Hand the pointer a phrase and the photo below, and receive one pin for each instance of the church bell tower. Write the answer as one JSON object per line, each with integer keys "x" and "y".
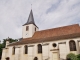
{"x": 29, "y": 28}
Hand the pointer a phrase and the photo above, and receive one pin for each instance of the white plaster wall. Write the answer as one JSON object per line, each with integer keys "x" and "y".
{"x": 30, "y": 32}
{"x": 30, "y": 52}
{"x": 23, "y": 56}
{"x": 47, "y": 48}
{"x": 7, "y": 43}
{"x": 62, "y": 51}
{"x": 7, "y": 51}
{"x": 17, "y": 55}
{"x": 79, "y": 46}
{"x": 10, "y": 53}
{"x": 3, "y": 54}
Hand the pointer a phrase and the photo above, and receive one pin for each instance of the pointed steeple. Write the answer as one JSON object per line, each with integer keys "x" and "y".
{"x": 29, "y": 28}
{"x": 30, "y": 19}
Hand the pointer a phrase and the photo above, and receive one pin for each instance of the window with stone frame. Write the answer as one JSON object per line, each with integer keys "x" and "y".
{"x": 39, "y": 48}
{"x": 26, "y": 49}
{"x": 72, "y": 45}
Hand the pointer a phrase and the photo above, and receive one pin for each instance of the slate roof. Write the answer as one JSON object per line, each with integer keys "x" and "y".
{"x": 30, "y": 19}
{"x": 66, "y": 32}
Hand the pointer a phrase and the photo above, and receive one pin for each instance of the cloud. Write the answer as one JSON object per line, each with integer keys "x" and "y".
{"x": 47, "y": 14}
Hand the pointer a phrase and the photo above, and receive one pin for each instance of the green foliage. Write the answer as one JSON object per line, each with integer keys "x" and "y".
{"x": 4, "y": 43}
{"x": 78, "y": 57}
{"x": 10, "y": 40}
{"x": 0, "y": 49}
{"x": 72, "y": 56}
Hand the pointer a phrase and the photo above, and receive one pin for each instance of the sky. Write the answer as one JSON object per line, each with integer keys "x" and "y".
{"x": 47, "y": 14}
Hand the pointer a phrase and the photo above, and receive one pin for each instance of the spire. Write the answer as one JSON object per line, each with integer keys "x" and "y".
{"x": 30, "y": 19}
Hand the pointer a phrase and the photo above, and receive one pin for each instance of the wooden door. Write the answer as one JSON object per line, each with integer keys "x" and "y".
{"x": 7, "y": 58}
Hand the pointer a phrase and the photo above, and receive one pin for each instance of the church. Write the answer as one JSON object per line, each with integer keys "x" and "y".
{"x": 49, "y": 44}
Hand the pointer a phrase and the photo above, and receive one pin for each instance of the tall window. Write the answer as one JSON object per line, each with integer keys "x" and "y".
{"x": 72, "y": 45}
{"x": 39, "y": 48}
{"x": 13, "y": 52}
{"x": 27, "y": 28}
{"x": 26, "y": 49}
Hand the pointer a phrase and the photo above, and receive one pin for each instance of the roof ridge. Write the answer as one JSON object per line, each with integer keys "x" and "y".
{"x": 59, "y": 27}
{"x": 46, "y": 39}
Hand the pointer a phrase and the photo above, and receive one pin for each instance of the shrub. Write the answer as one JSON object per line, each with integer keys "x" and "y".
{"x": 71, "y": 56}
{"x": 78, "y": 57}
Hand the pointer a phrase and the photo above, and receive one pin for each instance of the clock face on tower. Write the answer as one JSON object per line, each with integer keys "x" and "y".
{"x": 26, "y": 34}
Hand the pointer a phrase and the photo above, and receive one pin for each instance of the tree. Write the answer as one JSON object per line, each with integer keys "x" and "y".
{"x": 10, "y": 39}
{"x": 71, "y": 56}
{"x": 0, "y": 50}
{"x": 4, "y": 44}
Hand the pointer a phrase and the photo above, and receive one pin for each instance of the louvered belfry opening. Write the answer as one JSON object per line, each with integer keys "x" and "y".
{"x": 26, "y": 49}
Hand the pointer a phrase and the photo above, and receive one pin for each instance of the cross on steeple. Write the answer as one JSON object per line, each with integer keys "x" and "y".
{"x": 31, "y": 6}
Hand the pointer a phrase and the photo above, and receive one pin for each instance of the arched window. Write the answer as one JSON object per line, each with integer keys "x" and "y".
{"x": 25, "y": 49}
{"x": 39, "y": 48}
{"x": 72, "y": 45}
{"x": 13, "y": 52}
{"x": 35, "y": 58}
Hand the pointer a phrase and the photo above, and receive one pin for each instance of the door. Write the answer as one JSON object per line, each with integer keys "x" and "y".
{"x": 7, "y": 58}
{"x": 55, "y": 56}
{"x": 35, "y": 58}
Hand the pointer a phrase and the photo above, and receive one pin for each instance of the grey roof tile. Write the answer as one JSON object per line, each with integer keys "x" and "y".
{"x": 30, "y": 19}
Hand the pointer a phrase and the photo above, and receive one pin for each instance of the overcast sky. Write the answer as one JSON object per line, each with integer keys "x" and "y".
{"x": 47, "y": 14}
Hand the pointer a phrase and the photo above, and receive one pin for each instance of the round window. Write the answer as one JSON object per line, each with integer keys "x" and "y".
{"x": 54, "y": 44}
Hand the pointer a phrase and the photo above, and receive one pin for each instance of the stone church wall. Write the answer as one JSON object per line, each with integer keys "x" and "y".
{"x": 62, "y": 49}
